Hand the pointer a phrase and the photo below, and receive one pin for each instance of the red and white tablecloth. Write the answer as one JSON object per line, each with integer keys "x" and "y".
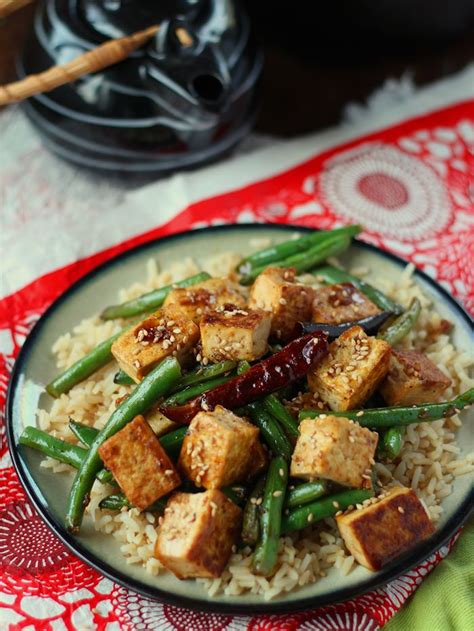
{"x": 407, "y": 173}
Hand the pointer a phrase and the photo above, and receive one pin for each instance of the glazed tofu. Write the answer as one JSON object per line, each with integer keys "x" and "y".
{"x": 234, "y": 333}
{"x": 381, "y": 531}
{"x": 160, "y": 335}
{"x": 274, "y": 290}
{"x": 139, "y": 464}
{"x": 413, "y": 378}
{"x": 352, "y": 370}
{"x": 336, "y": 449}
{"x": 196, "y": 536}
{"x": 339, "y": 303}
{"x": 198, "y": 299}
{"x": 218, "y": 448}
{"x": 258, "y": 461}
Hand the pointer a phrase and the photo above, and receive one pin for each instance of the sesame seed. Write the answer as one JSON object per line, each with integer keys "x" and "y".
{"x": 401, "y": 510}
{"x": 360, "y": 413}
{"x": 277, "y": 493}
{"x": 310, "y": 517}
{"x": 282, "y": 301}
{"x": 281, "y": 472}
{"x": 335, "y": 504}
{"x": 169, "y": 472}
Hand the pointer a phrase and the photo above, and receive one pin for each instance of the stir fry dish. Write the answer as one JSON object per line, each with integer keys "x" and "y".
{"x": 254, "y": 419}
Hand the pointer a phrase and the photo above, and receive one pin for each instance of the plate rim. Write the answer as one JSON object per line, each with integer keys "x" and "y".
{"x": 392, "y": 571}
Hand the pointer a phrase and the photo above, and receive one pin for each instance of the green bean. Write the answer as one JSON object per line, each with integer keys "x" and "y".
{"x": 391, "y": 443}
{"x": 305, "y": 493}
{"x": 266, "y": 550}
{"x": 172, "y": 441}
{"x": 251, "y": 517}
{"x": 399, "y": 416}
{"x": 83, "y": 368}
{"x": 117, "y": 501}
{"x": 205, "y": 373}
{"x": 149, "y": 301}
{"x": 85, "y": 434}
{"x": 193, "y": 391}
{"x": 156, "y": 384}
{"x": 402, "y": 325}
{"x": 333, "y": 275}
{"x": 293, "y": 246}
{"x": 270, "y": 430}
{"x": 60, "y": 450}
{"x": 299, "y": 518}
{"x": 307, "y": 260}
{"x": 276, "y": 408}
{"x": 122, "y": 379}
{"x": 237, "y": 493}
{"x": 243, "y": 366}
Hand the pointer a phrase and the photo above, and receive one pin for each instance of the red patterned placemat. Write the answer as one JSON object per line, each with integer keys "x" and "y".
{"x": 413, "y": 184}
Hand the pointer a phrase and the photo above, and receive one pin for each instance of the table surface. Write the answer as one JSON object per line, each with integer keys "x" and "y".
{"x": 341, "y": 75}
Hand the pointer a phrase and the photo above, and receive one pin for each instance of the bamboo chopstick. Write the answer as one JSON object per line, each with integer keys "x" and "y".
{"x": 10, "y": 6}
{"x": 103, "y": 56}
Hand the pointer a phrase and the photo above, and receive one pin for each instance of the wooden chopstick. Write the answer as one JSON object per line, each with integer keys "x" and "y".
{"x": 101, "y": 57}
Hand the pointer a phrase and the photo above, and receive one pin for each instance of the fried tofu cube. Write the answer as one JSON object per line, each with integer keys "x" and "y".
{"x": 217, "y": 449}
{"x": 197, "y": 533}
{"x": 233, "y": 333}
{"x": 412, "y": 379}
{"x": 139, "y": 464}
{"x": 352, "y": 370}
{"x": 336, "y": 449}
{"x": 160, "y": 335}
{"x": 274, "y": 290}
{"x": 383, "y": 530}
{"x": 198, "y": 299}
{"x": 339, "y": 303}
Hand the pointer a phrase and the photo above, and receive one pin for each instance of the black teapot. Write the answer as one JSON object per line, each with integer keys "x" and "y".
{"x": 185, "y": 98}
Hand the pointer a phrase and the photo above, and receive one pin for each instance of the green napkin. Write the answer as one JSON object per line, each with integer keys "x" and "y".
{"x": 445, "y": 599}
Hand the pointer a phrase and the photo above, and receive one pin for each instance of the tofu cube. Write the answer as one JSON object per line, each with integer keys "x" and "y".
{"x": 336, "y": 449}
{"x": 274, "y": 290}
{"x": 233, "y": 333}
{"x": 412, "y": 379}
{"x": 197, "y": 533}
{"x": 383, "y": 530}
{"x": 339, "y": 303}
{"x": 139, "y": 464}
{"x": 160, "y": 335}
{"x": 198, "y": 299}
{"x": 218, "y": 448}
{"x": 352, "y": 370}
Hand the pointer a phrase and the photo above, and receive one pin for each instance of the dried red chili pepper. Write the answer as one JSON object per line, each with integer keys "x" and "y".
{"x": 271, "y": 374}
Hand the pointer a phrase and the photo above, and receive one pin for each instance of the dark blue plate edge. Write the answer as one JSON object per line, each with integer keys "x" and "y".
{"x": 391, "y": 572}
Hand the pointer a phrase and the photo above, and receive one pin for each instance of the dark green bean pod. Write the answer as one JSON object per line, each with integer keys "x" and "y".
{"x": 193, "y": 391}
{"x": 251, "y": 517}
{"x": 60, "y": 450}
{"x": 122, "y": 379}
{"x": 156, "y": 384}
{"x": 270, "y": 430}
{"x": 276, "y": 408}
{"x": 98, "y": 357}
{"x": 290, "y": 247}
{"x": 205, "y": 373}
{"x": 85, "y": 434}
{"x": 266, "y": 550}
{"x": 236, "y": 492}
{"x": 332, "y": 275}
{"x": 401, "y": 415}
{"x": 401, "y": 326}
{"x": 304, "y": 516}
{"x": 390, "y": 444}
{"x": 117, "y": 501}
{"x": 307, "y": 260}
{"x": 305, "y": 493}
{"x": 149, "y": 301}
